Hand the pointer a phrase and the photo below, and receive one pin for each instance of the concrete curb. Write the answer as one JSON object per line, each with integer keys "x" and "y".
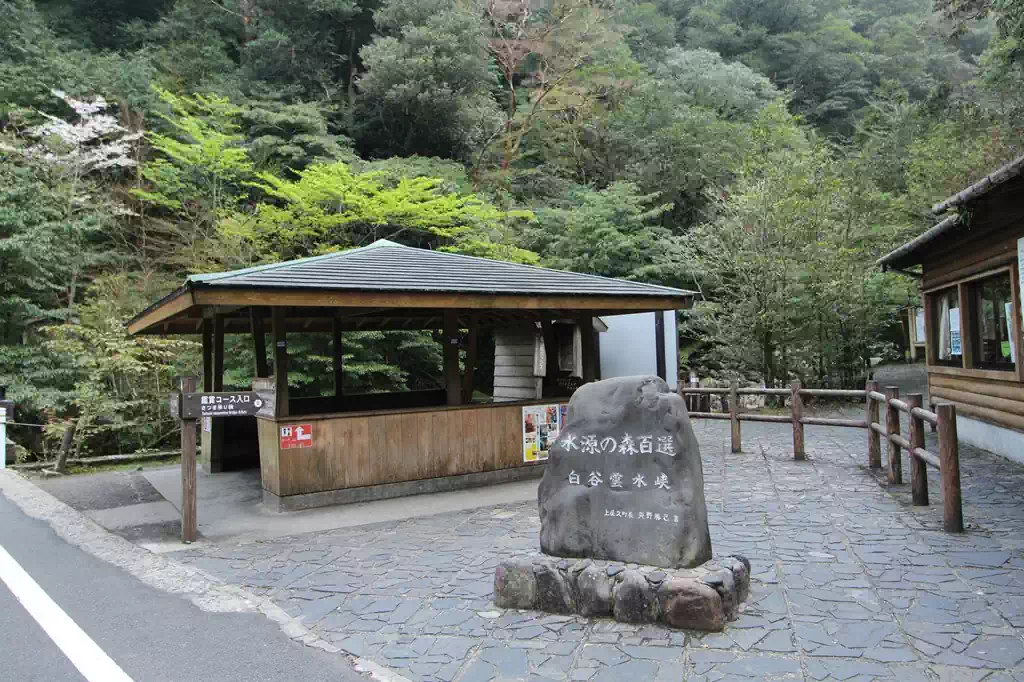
{"x": 162, "y": 573}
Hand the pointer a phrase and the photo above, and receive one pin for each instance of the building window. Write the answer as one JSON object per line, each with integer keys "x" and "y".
{"x": 992, "y": 323}
{"x": 948, "y": 333}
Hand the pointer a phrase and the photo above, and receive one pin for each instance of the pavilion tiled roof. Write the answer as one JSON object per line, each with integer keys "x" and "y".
{"x": 387, "y": 266}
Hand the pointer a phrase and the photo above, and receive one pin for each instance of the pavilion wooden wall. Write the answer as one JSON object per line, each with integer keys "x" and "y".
{"x": 375, "y": 449}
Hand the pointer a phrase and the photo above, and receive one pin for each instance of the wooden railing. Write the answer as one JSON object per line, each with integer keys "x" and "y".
{"x": 943, "y": 420}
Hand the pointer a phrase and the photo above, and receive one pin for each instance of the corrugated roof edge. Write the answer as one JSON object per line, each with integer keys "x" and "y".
{"x": 987, "y": 183}
{"x": 928, "y": 235}
{"x": 217, "y": 277}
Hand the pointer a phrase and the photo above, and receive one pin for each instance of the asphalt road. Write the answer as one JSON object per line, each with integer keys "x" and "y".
{"x": 153, "y": 636}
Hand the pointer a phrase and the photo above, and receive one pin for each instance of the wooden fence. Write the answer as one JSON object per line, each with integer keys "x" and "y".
{"x": 943, "y": 420}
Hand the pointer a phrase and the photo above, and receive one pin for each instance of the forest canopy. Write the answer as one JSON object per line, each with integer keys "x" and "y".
{"x": 762, "y": 152}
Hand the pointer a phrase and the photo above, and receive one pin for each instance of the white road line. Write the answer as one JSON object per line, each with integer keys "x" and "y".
{"x": 90, "y": 660}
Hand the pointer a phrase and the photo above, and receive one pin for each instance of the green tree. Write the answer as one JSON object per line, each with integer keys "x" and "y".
{"x": 427, "y": 71}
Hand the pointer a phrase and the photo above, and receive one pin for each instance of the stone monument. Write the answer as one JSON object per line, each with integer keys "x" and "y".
{"x": 624, "y": 526}
{"x": 624, "y": 480}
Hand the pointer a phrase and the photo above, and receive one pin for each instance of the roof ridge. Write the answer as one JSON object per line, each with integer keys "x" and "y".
{"x": 997, "y": 177}
{"x": 216, "y": 276}
{"x": 568, "y": 272}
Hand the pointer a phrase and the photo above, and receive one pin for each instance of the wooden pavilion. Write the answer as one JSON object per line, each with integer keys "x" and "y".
{"x": 378, "y": 445}
{"x": 970, "y": 272}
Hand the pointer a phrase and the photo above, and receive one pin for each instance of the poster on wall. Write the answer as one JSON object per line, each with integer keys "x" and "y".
{"x": 541, "y": 424}
{"x": 1009, "y": 350}
{"x": 955, "y": 344}
{"x": 919, "y": 335}
{"x": 1020, "y": 274}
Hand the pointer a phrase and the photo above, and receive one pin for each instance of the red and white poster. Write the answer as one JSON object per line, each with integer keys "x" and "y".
{"x": 296, "y": 436}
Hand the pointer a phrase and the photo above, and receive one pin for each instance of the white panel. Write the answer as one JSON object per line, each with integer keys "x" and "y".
{"x": 996, "y": 439}
{"x": 671, "y": 351}
{"x": 628, "y": 347}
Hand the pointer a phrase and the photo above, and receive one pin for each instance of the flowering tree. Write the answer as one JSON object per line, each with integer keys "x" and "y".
{"x": 64, "y": 154}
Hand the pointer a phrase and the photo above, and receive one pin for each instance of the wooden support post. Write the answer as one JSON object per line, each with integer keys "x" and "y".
{"x": 339, "y": 360}
{"x": 66, "y": 441}
{"x": 871, "y": 417}
{"x": 450, "y": 338}
{"x": 279, "y": 323}
{"x": 588, "y": 336}
{"x": 218, "y": 353}
{"x": 892, "y": 425}
{"x": 949, "y": 466}
{"x": 797, "y": 402}
{"x": 471, "y": 353}
{"x": 660, "y": 365}
{"x": 918, "y": 468}
{"x": 734, "y": 418}
{"x": 188, "y": 469}
{"x": 259, "y": 340}
{"x": 207, "y": 332}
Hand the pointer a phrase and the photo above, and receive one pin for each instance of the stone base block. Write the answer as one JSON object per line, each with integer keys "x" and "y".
{"x": 701, "y": 598}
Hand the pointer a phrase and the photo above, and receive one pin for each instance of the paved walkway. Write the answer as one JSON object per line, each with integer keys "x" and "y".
{"x": 850, "y": 581}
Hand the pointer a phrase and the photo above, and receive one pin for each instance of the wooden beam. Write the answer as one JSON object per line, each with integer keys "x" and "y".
{"x": 279, "y": 322}
{"x": 339, "y": 361}
{"x": 207, "y": 331}
{"x": 259, "y": 341}
{"x": 174, "y": 305}
{"x": 471, "y": 357}
{"x": 450, "y": 339}
{"x": 443, "y": 301}
{"x": 218, "y": 353}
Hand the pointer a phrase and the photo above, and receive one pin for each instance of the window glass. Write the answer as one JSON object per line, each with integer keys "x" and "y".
{"x": 993, "y": 346}
{"x": 948, "y": 331}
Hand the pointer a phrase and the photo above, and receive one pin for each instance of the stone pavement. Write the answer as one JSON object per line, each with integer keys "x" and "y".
{"x": 849, "y": 581}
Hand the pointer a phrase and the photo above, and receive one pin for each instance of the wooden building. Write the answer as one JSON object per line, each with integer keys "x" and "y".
{"x": 361, "y": 447}
{"x": 970, "y": 271}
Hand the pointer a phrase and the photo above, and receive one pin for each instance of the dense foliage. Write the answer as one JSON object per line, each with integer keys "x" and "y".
{"x": 761, "y": 152}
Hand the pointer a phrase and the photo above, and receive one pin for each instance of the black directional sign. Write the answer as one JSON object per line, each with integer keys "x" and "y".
{"x": 228, "y": 404}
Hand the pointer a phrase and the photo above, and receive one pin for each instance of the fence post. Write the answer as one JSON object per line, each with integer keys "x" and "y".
{"x": 871, "y": 417}
{"x": 892, "y": 425}
{"x": 949, "y": 467}
{"x": 798, "y": 429}
{"x": 918, "y": 468}
{"x": 734, "y": 415}
{"x": 3, "y": 437}
{"x": 188, "y": 469}
{"x": 67, "y": 441}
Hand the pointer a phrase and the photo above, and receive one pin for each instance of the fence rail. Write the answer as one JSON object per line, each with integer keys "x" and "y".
{"x": 947, "y": 461}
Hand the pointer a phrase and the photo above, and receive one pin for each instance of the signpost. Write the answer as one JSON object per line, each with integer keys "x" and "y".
{"x": 188, "y": 465}
{"x": 189, "y": 407}
{"x": 230, "y": 404}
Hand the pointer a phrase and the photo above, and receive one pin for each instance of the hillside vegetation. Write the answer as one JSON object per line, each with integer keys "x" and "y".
{"x": 762, "y": 152}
